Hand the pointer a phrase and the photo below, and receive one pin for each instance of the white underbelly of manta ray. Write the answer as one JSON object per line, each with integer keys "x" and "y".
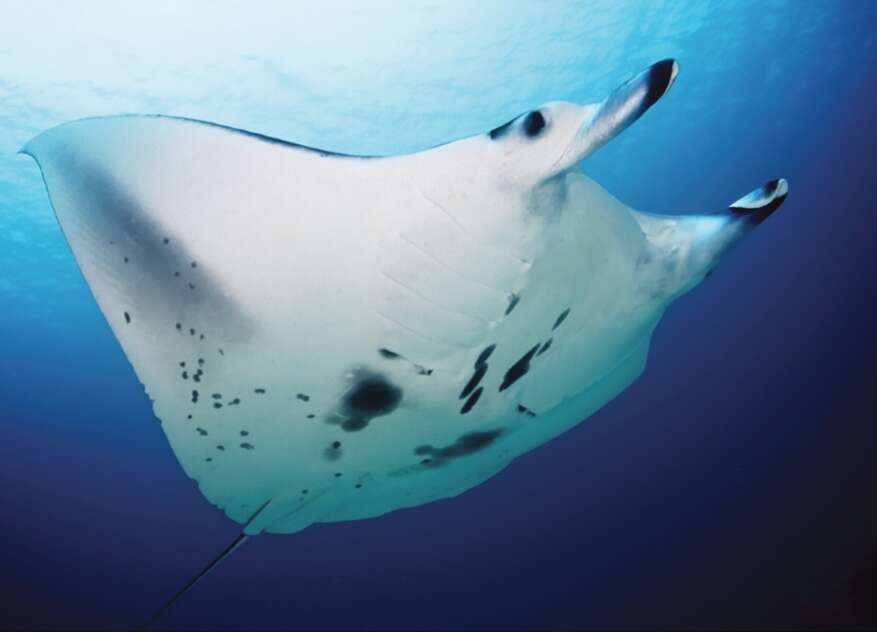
{"x": 330, "y": 337}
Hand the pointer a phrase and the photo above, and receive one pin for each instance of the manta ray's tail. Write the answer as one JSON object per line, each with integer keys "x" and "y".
{"x": 231, "y": 548}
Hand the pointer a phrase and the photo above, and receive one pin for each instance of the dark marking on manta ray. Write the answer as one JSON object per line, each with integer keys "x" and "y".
{"x": 337, "y": 474}
{"x": 534, "y": 123}
{"x": 389, "y": 355}
{"x": 201, "y": 432}
{"x": 484, "y": 355}
{"x": 545, "y": 347}
{"x": 244, "y": 433}
{"x": 480, "y": 370}
{"x": 513, "y": 301}
{"x": 208, "y": 459}
{"x": 372, "y": 395}
{"x": 422, "y": 370}
{"x": 191, "y": 286}
{"x": 303, "y": 397}
{"x": 182, "y": 364}
{"x": 166, "y": 241}
{"x": 354, "y": 424}
{"x": 216, "y": 396}
{"x": 200, "y": 361}
{"x": 221, "y": 448}
{"x": 499, "y": 132}
{"x": 467, "y": 444}
{"x": 311, "y": 416}
{"x": 221, "y": 352}
{"x": 473, "y": 399}
{"x": 217, "y": 405}
{"x": 191, "y": 331}
{"x": 333, "y": 451}
{"x": 236, "y": 401}
{"x": 179, "y": 327}
{"x": 560, "y": 319}
{"x": 247, "y": 446}
{"x": 194, "y": 264}
{"x": 185, "y": 375}
{"x": 177, "y": 273}
{"x": 518, "y": 369}
{"x": 127, "y": 317}
{"x": 197, "y": 376}
{"x": 194, "y": 397}
{"x": 523, "y": 409}
{"x": 126, "y": 259}
{"x": 358, "y": 486}
{"x": 259, "y": 391}
{"x": 201, "y": 336}
{"x": 188, "y": 416}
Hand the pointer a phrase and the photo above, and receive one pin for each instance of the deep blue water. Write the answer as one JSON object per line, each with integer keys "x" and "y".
{"x": 733, "y": 485}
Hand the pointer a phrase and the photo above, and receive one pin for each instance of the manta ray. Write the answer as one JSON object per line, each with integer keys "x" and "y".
{"x": 332, "y": 337}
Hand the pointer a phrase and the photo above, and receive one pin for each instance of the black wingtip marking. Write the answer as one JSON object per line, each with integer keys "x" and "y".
{"x": 513, "y": 302}
{"x": 389, "y": 355}
{"x": 660, "y": 77}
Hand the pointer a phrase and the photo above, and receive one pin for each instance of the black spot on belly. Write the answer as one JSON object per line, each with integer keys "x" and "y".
{"x": 467, "y": 444}
{"x": 244, "y": 433}
{"x": 523, "y": 409}
{"x": 217, "y": 405}
{"x": 484, "y": 355}
{"x": 518, "y": 369}
{"x": 259, "y": 391}
{"x": 179, "y": 327}
{"x": 333, "y": 451}
{"x": 194, "y": 397}
{"x": 303, "y": 397}
{"x": 474, "y": 380}
{"x": 545, "y": 346}
{"x": 185, "y": 375}
{"x": 201, "y": 432}
{"x": 311, "y": 416}
{"x": 166, "y": 241}
{"x": 513, "y": 302}
{"x": 389, "y": 355}
{"x": 221, "y": 448}
{"x": 473, "y": 399}
{"x": 354, "y": 424}
{"x": 372, "y": 396}
{"x": 216, "y": 396}
{"x": 127, "y": 317}
{"x": 234, "y": 402}
{"x": 247, "y": 446}
{"x": 560, "y": 318}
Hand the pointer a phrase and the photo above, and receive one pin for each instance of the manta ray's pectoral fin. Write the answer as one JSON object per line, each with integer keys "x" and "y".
{"x": 619, "y": 110}
{"x": 689, "y": 246}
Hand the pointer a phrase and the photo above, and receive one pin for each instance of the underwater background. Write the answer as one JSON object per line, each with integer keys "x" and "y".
{"x": 733, "y": 485}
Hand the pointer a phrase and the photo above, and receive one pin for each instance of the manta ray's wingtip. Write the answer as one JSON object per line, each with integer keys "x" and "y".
{"x": 662, "y": 74}
{"x": 762, "y": 202}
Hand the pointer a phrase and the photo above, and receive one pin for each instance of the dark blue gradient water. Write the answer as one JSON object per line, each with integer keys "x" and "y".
{"x": 733, "y": 485}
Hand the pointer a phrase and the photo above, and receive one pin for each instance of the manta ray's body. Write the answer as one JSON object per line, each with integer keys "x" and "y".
{"x": 330, "y": 337}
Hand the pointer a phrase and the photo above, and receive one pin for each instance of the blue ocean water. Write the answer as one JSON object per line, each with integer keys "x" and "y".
{"x": 732, "y": 485}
